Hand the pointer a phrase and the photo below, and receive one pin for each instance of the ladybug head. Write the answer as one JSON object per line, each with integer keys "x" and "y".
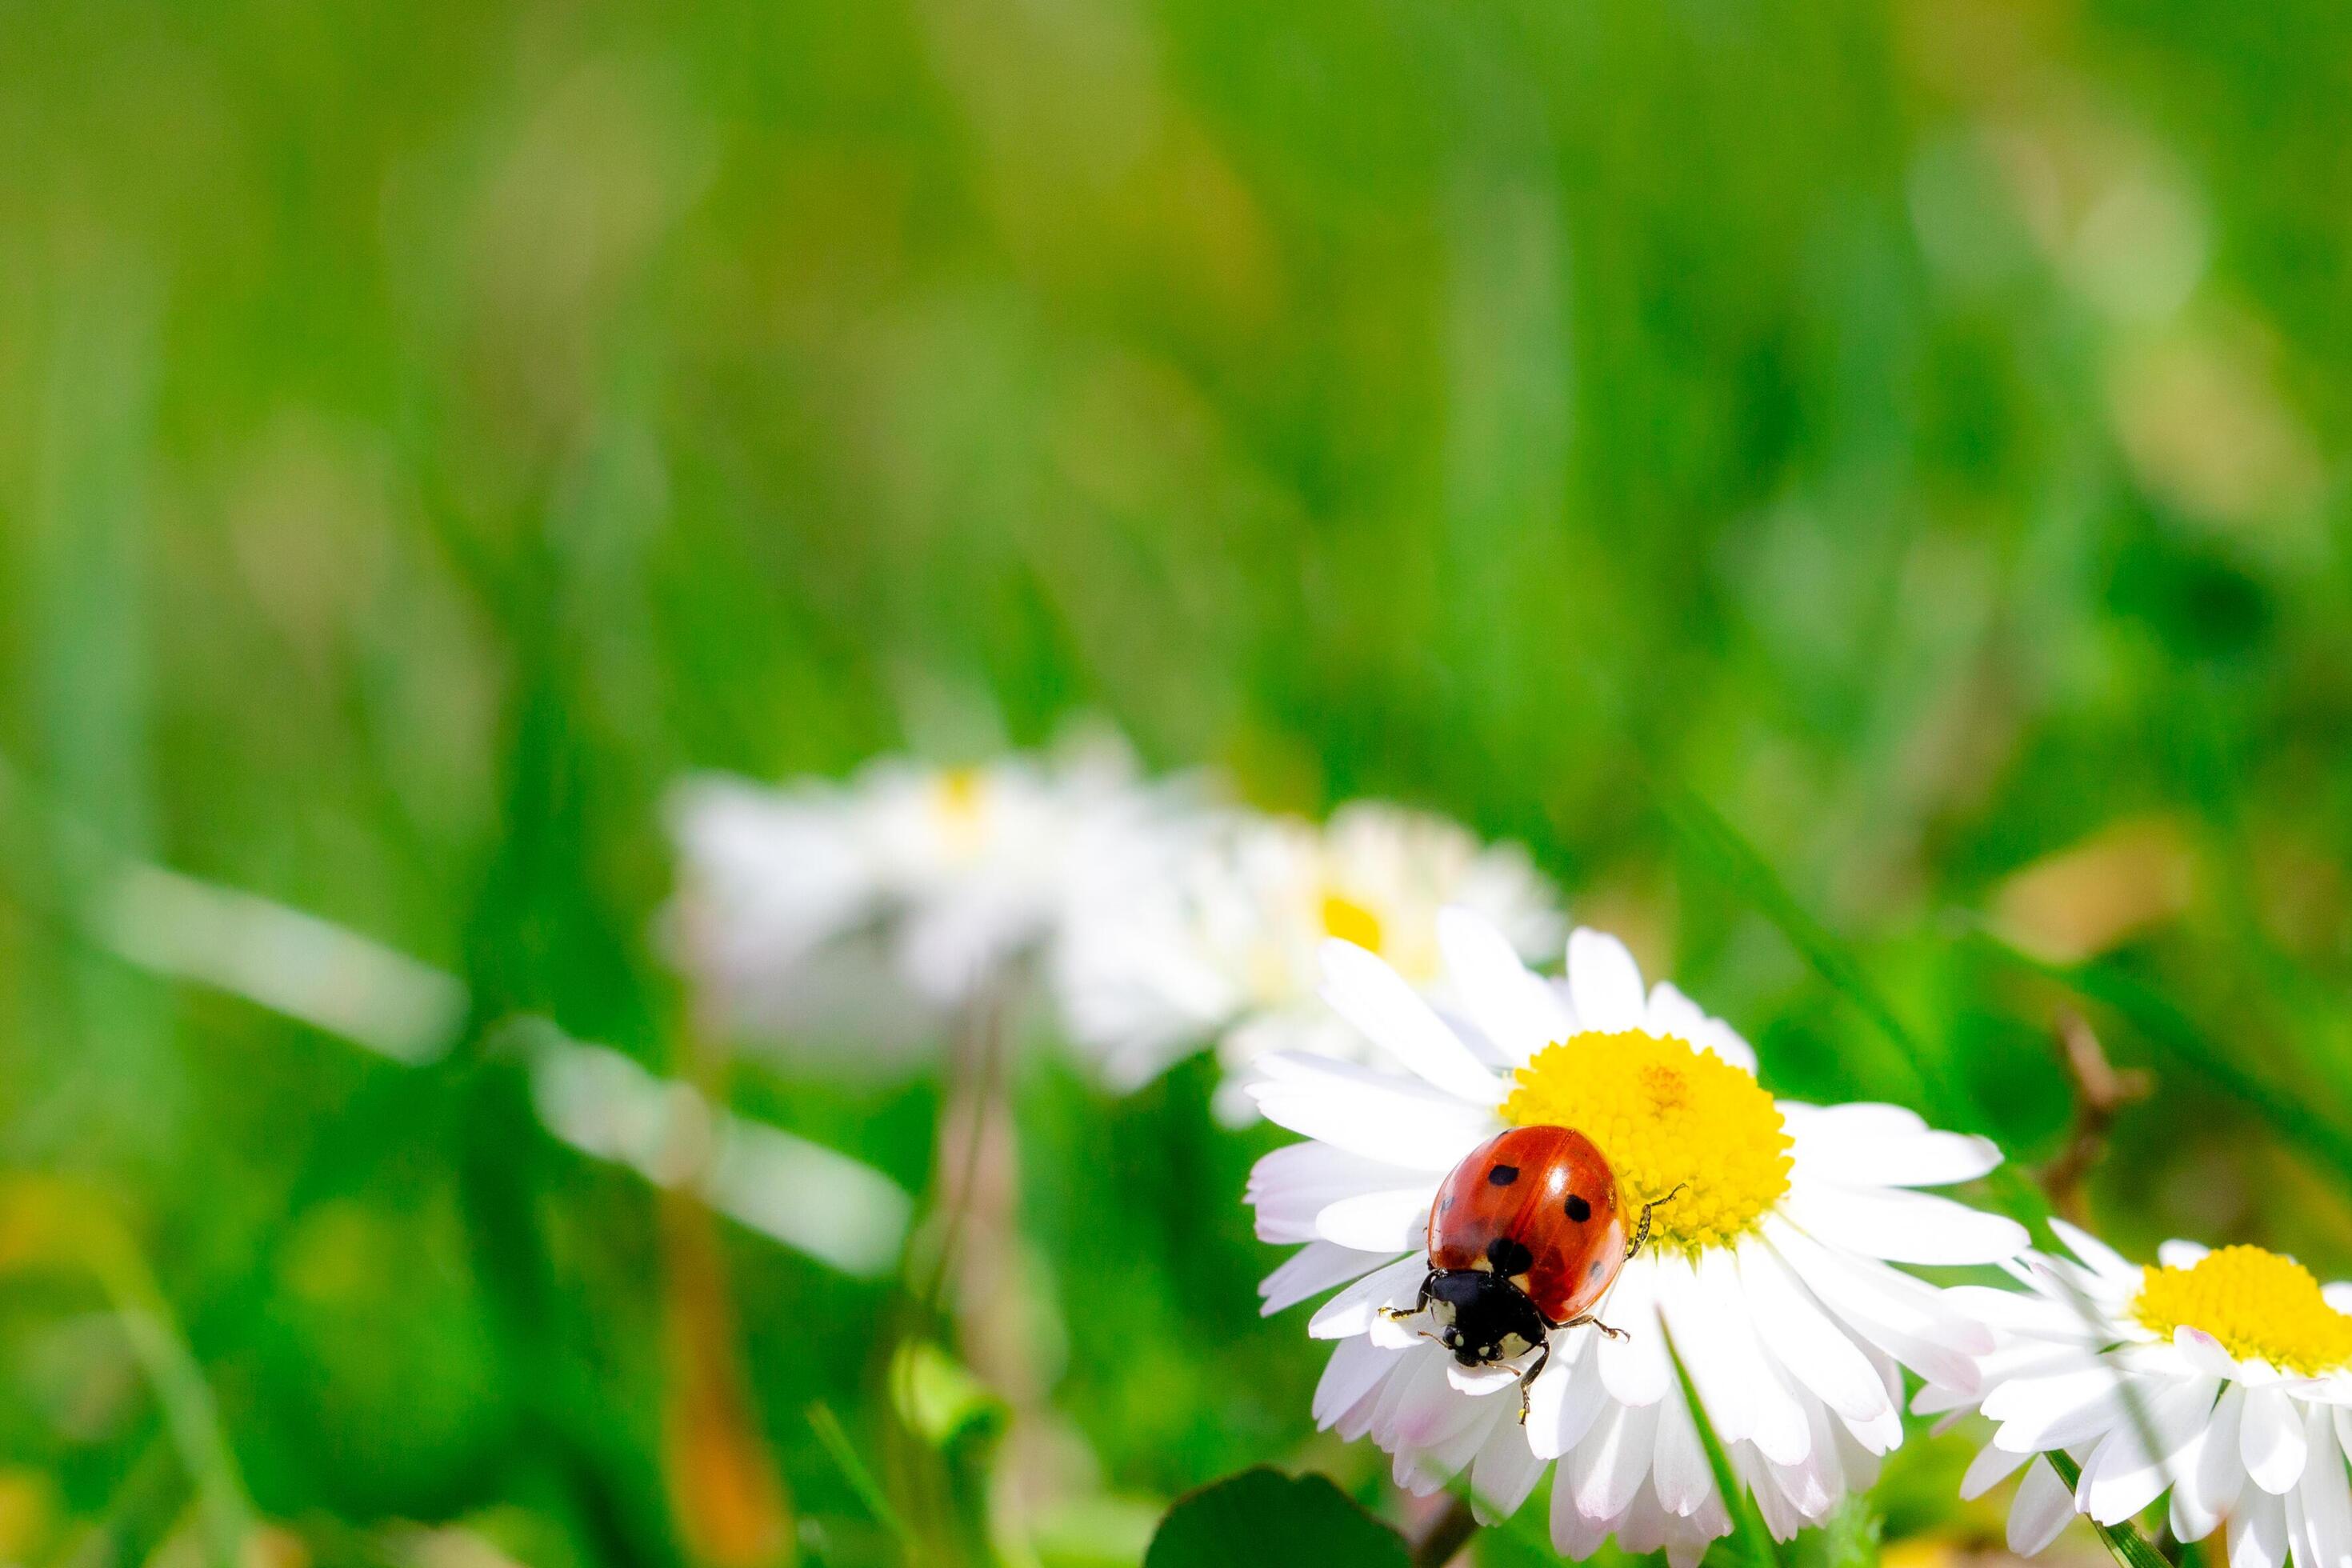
{"x": 1482, "y": 1317}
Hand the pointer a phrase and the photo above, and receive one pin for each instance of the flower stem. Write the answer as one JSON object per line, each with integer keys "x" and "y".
{"x": 1446, "y": 1535}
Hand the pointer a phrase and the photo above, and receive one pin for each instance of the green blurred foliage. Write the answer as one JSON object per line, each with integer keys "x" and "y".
{"x": 425, "y": 430}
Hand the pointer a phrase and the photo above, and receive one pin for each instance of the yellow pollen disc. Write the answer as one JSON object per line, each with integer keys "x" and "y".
{"x": 960, "y": 799}
{"x": 1665, "y": 1114}
{"x": 960, "y": 791}
{"x": 2257, "y": 1303}
{"x": 1350, "y": 921}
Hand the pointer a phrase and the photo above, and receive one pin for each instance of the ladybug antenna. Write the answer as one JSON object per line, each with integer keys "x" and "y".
{"x": 1641, "y": 1231}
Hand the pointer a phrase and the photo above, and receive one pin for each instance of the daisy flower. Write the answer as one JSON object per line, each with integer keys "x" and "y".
{"x": 957, "y": 871}
{"x": 1227, "y": 949}
{"x": 1770, "y": 1266}
{"x": 2225, "y": 1376}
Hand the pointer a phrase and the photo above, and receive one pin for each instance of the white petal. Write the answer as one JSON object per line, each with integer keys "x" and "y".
{"x": 1795, "y": 1329}
{"x": 1352, "y": 1311}
{"x": 1634, "y": 1366}
{"x": 1574, "y": 1534}
{"x": 1892, "y": 1311}
{"x": 1375, "y": 998}
{"x": 1313, "y": 1269}
{"x": 1568, "y": 1397}
{"x": 2337, "y": 1294}
{"x": 2041, "y": 1412}
{"x": 2038, "y": 1317}
{"x": 2326, "y": 1497}
{"x": 1834, "y": 1144}
{"x": 2206, "y": 1353}
{"x": 1673, "y": 1013}
{"x": 1903, "y": 1227}
{"x": 1740, "y": 1390}
{"x": 1418, "y": 1406}
{"x": 1377, "y": 1115}
{"x": 2103, "y": 1261}
{"x": 2298, "y": 1530}
{"x": 1781, "y": 1515}
{"x": 1502, "y": 1475}
{"x": 2211, "y": 1483}
{"x": 2135, "y": 1461}
{"x": 1355, "y": 1368}
{"x": 1479, "y": 1381}
{"x": 1515, "y": 1008}
{"x": 1290, "y": 1185}
{"x": 2044, "y": 1506}
{"x": 1387, "y": 1222}
{"x": 2186, "y": 1515}
{"x": 1685, "y": 1547}
{"x": 1881, "y": 1435}
{"x": 1991, "y": 1466}
{"x": 1813, "y": 1484}
{"x": 1604, "y": 983}
{"x": 2181, "y": 1254}
{"x": 1681, "y": 1474}
{"x": 1614, "y": 1458}
{"x": 2258, "y": 1532}
{"x": 1643, "y": 1530}
{"x": 2271, "y": 1440}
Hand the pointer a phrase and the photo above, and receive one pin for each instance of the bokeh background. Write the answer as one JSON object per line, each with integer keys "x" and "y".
{"x": 1786, "y": 462}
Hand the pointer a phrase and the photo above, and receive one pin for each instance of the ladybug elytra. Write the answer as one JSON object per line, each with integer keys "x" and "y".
{"x": 1524, "y": 1239}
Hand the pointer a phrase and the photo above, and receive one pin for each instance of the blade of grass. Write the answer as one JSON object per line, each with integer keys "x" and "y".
{"x": 2172, "y": 1031}
{"x": 1749, "y": 1536}
{"x": 844, "y": 1454}
{"x": 1728, "y": 853}
{"x": 2131, "y": 1548}
{"x": 54, "y": 1223}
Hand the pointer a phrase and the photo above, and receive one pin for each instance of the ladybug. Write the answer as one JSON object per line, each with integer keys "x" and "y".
{"x": 1524, "y": 1239}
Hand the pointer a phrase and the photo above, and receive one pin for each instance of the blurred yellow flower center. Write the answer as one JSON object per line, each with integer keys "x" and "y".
{"x": 959, "y": 797}
{"x": 2257, "y": 1303}
{"x": 1666, "y": 1115}
{"x": 1350, "y": 921}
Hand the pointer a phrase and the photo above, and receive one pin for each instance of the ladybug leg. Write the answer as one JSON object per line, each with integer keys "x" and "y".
{"x": 1597, "y": 1323}
{"x": 1641, "y": 1231}
{"x": 1420, "y": 1305}
{"x": 1528, "y": 1380}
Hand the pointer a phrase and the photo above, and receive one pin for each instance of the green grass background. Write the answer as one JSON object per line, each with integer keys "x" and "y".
{"x": 1915, "y": 433}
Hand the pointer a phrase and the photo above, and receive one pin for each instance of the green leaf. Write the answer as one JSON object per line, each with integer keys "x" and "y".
{"x": 1264, "y": 1516}
{"x": 2130, "y": 1547}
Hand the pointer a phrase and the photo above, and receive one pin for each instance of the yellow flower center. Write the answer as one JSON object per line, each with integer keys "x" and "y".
{"x": 1350, "y": 921}
{"x": 2257, "y": 1303}
{"x": 1666, "y": 1115}
{"x": 960, "y": 798}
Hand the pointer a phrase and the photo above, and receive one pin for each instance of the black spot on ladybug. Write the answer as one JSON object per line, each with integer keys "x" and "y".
{"x": 1577, "y": 1209}
{"x": 1503, "y": 1175}
{"x": 1593, "y": 1272}
{"x": 1446, "y": 1207}
{"x": 1509, "y": 1256}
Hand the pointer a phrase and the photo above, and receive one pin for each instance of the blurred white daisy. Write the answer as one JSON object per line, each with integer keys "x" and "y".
{"x": 2224, "y": 1377}
{"x": 1227, "y": 949}
{"x": 953, "y": 871}
{"x": 1769, "y": 1266}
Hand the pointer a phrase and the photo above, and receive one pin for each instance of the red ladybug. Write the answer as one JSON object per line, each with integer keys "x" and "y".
{"x": 1524, "y": 1238}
